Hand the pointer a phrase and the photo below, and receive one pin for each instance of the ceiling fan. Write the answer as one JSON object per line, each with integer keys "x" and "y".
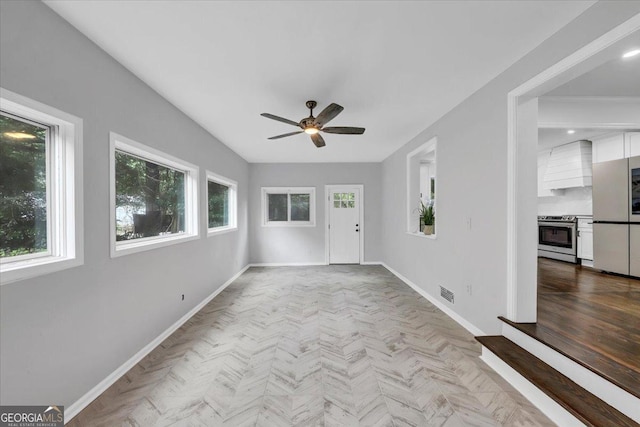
{"x": 313, "y": 125}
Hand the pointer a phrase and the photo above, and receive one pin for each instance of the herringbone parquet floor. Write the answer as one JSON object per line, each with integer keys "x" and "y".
{"x": 314, "y": 346}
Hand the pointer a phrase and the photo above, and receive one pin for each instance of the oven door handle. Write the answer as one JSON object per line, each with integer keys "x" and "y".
{"x": 557, "y": 224}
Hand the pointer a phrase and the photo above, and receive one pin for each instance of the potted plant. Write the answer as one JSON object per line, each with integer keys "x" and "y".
{"x": 428, "y": 217}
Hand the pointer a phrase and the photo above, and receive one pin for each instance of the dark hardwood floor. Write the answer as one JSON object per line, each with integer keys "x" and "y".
{"x": 591, "y": 317}
{"x": 583, "y": 405}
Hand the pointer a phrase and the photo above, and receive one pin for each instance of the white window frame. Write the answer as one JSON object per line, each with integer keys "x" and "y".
{"x": 64, "y": 191}
{"x": 191, "y": 232}
{"x": 413, "y": 198}
{"x": 233, "y": 204}
{"x": 289, "y": 190}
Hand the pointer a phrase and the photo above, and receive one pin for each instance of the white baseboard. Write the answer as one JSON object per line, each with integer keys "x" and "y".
{"x": 75, "y": 408}
{"x": 285, "y": 264}
{"x": 455, "y": 316}
{"x": 616, "y": 397}
{"x": 303, "y": 264}
{"x": 548, "y": 406}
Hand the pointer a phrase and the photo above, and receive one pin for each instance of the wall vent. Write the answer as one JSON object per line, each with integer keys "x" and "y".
{"x": 446, "y": 294}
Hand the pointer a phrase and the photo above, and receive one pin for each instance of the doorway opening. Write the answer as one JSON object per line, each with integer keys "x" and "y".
{"x": 522, "y": 148}
{"x": 558, "y": 299}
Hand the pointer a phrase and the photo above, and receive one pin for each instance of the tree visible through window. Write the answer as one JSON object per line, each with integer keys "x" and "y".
{"x": 23, "y": 186}
{"x": 218, "y": 196}
{"x": 221, "y": 204}
{"x": 289, "y": 206}
{"x": 300, "y": 207}
{"x": 149, "y": 198}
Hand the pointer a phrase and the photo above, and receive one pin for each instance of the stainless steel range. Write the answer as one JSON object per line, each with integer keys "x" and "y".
{"x": 557, "y": 237}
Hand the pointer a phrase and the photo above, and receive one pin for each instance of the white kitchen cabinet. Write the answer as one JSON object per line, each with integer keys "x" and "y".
{"x": 585, "y": 238}
{"x": 608, "y": 148}
{"x": 585, "y": 244}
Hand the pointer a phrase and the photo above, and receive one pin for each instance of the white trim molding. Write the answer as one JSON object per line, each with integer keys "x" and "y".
{"x": 288, "y": 191}
{"x": 474, "y": 330}
{"x": 77, "y": 406}
{"x": 233, "y": 203}
{"x": 540, "y": 400}
{"x": 530, "y": 89}
{"x": 191, "y": 177}
{"x": 286, "y": 264}
{"x": 65, "y": 220}
{"x": 424, "y": 148}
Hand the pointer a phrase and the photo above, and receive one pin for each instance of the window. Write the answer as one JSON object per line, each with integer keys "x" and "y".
{"x": 40, "y": 188}
{"x": 284, "y": 206}
{"x": 421, "y": 189}
{"x": 221, "y": 204}
{"x": 344, "y": 200}
{"x": 154, "y": 198}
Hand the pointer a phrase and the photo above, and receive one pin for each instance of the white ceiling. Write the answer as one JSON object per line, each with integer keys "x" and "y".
{"x": 549, "y": 138}
{"x": 617, "y": 77}
{"x": 396, "y": 67}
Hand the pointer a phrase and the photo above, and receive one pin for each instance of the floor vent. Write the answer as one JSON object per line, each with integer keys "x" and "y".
{"x": 446, "y": 294}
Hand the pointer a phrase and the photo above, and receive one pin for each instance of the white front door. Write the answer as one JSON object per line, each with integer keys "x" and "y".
{"x": 344, "y": 225}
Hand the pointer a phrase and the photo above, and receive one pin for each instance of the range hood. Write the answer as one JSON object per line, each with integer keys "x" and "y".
{"x": 569, "y": 166}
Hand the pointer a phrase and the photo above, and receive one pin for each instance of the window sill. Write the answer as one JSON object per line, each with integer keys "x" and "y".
{"x": 149, "y": 243}
{"x": 19, "y": 270}
{"x": 425, "y": 236}
{"x": 220, "y": 230}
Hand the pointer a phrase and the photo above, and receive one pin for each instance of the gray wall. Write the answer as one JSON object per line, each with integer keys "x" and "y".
{"x": 307, "y": 244}
{"x": 63, "y": 333}
{"x": 472, "y": 183}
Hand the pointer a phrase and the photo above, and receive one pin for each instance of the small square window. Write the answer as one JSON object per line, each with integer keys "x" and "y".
{"x": 289, "y": 206}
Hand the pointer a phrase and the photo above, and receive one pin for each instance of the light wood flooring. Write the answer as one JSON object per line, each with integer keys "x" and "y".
{"x": 314, "y": 346}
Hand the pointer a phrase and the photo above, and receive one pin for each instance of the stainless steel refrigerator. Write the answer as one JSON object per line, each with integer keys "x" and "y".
{"x": 616, "y": 216}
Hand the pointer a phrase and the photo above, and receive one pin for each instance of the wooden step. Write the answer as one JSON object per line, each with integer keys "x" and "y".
{"x": 621, "y": 371}
{"x": 583, "y": 405}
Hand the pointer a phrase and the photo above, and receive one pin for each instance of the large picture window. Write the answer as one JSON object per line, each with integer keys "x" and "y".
{"x": 154, "y": 198}
{"x": 40, "y": 189}
{"x": 288, "y": 206}
{"x": 221, "y": 204}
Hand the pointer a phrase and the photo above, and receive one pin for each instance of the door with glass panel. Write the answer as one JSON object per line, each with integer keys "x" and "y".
{"x": 344, "y": 225}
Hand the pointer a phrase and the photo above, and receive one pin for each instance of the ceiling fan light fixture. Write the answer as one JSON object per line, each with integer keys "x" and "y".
{"x": 312, "y": 126}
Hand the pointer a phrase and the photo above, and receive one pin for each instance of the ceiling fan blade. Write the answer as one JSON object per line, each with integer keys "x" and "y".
{"x": 344, "y": 130}
{"x": 318, "y": 140}
{"x": 328, "y": 114}
{"x": 280, "y": 119}
{"x": 285, "y": 135}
